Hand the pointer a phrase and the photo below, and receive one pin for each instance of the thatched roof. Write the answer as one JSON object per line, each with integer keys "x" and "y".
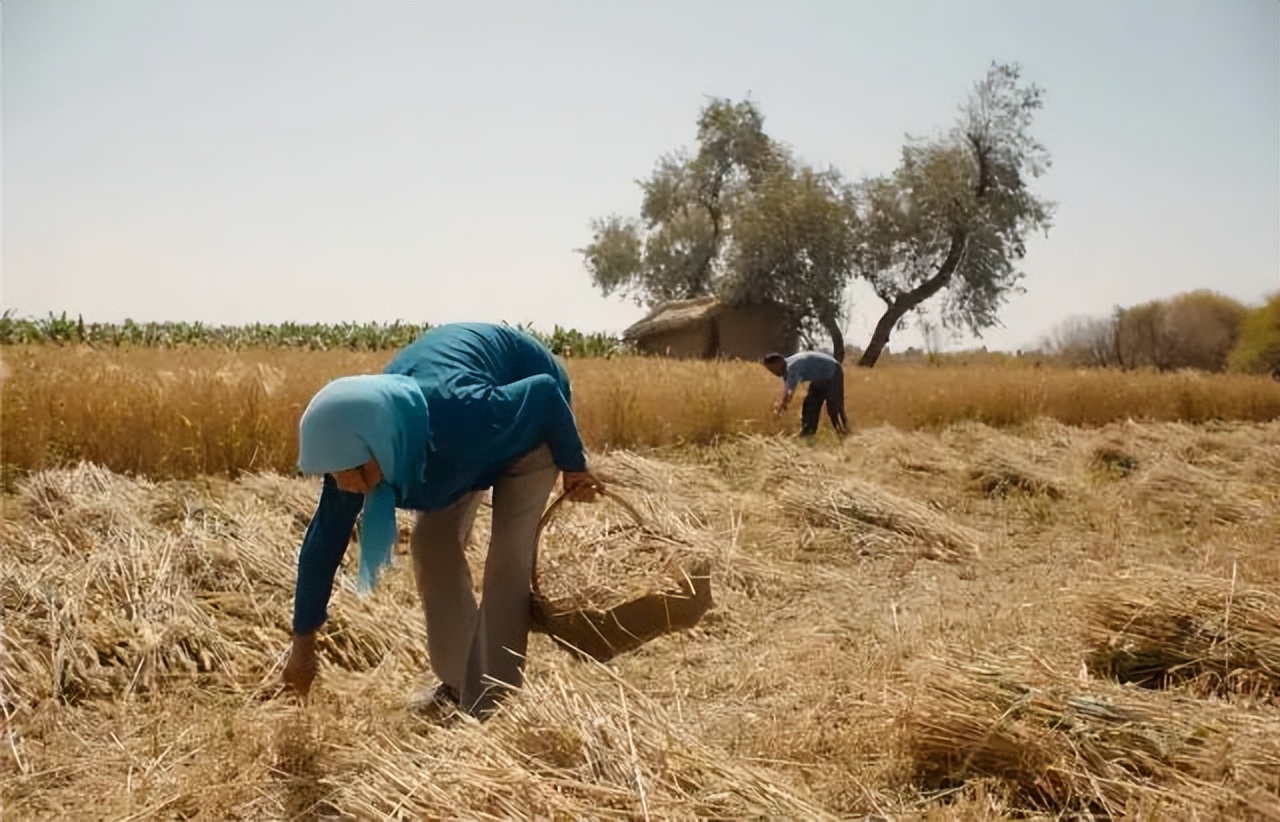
{"x": 672, "y": 315}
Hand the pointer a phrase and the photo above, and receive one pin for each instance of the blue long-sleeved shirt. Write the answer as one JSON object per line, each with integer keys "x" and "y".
{"x": 809, "y": 365}
{"x": 493, "y": 394}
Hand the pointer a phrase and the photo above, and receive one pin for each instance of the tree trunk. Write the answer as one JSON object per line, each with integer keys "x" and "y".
{"x": 837, "y": 338}
{"x": 910, "y": 299}
{"x": 1116, "y": 347}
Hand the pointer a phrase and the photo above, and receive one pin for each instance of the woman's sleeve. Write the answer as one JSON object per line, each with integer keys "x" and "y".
{"x": 534, "y": 410}
{"x": 322, "y": 550}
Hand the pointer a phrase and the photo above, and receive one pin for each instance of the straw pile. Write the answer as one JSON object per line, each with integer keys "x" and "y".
{"x": 759, "y": 463}
{"x": 1167, "y": 627}
{"x": 123, "y": 599}
{"x": 867, "y": 514}
{"x": 1183, "y": 494}
{"x": 1000, "y": 476}
{"x": 1072, "y": 747}
{"x": 563, "y": 751}
{"x": 145, "y": 626}
{"x": 647, "y": 475}
{"x": 1110, "y": 457}
{"x": 914, "y": 451}
{"x": 113, "y": 586}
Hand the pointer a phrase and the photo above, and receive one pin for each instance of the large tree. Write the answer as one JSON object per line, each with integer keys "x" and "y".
{"x": 1085, "y": 341}
{"x": 953, "y": 218}
{"x": 739, "y": 219}
{"x": 793, "y": 245}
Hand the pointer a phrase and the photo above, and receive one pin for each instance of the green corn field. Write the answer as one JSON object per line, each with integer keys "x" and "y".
{"x": 60, "y": 329}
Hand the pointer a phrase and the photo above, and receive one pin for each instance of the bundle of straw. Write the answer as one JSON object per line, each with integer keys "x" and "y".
{"x": 1183, "y": 494}
{"x": 1111, "y": 457}
{"x": 855, "y": 506}
{"x": 1164, "y": 627}
{"x": 1000, "y": 476}
{"x": 1060, "y": 746}
{"x": 113, "y": 587}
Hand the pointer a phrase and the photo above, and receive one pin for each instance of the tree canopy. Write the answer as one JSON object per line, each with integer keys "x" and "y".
{"x": 741, "y": 219}
{"x": 953, "y": 218}
{"x": 1257, "y": 349}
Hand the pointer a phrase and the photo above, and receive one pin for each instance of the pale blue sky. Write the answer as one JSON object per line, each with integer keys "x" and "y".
{"x": 254, "y": 161}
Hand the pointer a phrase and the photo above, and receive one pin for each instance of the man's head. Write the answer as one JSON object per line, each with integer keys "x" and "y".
{"x": 776, "y": 363}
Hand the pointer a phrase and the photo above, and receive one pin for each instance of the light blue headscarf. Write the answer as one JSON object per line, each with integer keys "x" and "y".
{"x": 352, "y": 419}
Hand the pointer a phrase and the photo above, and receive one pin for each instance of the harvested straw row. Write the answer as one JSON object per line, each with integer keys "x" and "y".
{"x": 1182, "y": 494}
{"x": 1068, "y": 747}
{"x": 1165, "y": 627}
{"x": 919, "y": 454}
{"x": 764, "y": 462}
{"x": 1000, "y": 476}
{"x": 577, "y": 744}
{"x": 113, "y": 586}
{"x": 124, "y": 599}
{"x": 1111, "y": 457}
{"x": 569, "y": 748}
{"x": 855, "y": 506}
{"x": 645, "y": 474}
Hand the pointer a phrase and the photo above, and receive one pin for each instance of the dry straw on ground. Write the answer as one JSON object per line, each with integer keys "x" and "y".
{"x": 1167, "y": 627}
{"x": 1081, "y": 747}
{"x": 1001, "y": 476}
{"x": 864, "y": 511}
{"x": 145, "y": 624}
{"x": 1181, "y": 494}
{"x": 124, "y": 593}
{"x": 1110, "y": 457}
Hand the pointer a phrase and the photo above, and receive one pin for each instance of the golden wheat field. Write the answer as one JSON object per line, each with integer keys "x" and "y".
{"x": 1033, "y": 594}
{"x": 182, "y": 413}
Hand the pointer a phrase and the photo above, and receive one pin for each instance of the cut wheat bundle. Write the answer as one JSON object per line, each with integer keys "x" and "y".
{"x": 1071, "y": 747}
{"x": 1110, "y": 456}
{"x": 611, "y": 586}
{"x": 1000, "y": 476}
{"x": 1165, "y": 627}
{"x": 1182, "y": 494}
{"x": 114, "y": 587}
{"x": 580, "y": 743}
{"x": 855, "y": 506}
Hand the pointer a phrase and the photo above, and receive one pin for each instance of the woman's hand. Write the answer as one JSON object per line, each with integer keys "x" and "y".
{"x": 300, "y": 670}
{"x": 581, "y": 486}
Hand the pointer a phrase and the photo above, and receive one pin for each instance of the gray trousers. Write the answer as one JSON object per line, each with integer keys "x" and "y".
{"x": 479, "y": 650}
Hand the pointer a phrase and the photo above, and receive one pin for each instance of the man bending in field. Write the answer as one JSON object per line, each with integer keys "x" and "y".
{"x": 826, "y": 385}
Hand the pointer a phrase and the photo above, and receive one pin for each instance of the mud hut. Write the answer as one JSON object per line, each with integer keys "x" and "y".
{"x": 705, "y": 328}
